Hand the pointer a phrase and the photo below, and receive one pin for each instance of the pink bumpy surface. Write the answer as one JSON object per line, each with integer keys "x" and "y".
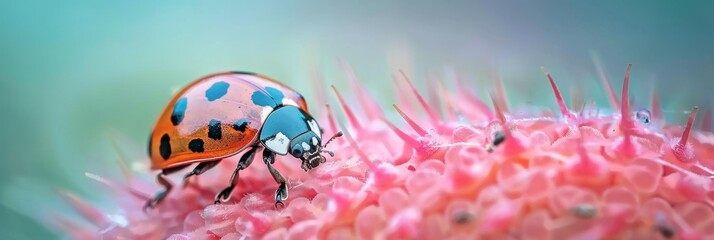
{"x": 580, "y": 176}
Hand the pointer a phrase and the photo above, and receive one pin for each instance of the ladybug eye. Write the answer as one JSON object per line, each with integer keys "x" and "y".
{"x": 297, "y": 151}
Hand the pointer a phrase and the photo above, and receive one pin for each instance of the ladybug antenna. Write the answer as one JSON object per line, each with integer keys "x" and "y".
{"x": 338, "y": 134}
{"x": 332, "y": 154}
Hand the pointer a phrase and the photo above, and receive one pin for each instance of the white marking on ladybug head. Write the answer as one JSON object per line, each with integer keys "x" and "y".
{"x": 305, "y": 147}
{"x": 314, "y": 141}
{"x": 264, "y": 114}
{"x": 314, "y": 127}
{"x": 278, "y": 144}
{"x": 289, "y": 102}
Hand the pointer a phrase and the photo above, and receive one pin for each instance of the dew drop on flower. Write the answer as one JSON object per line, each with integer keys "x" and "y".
{"x": 644, "y": 116}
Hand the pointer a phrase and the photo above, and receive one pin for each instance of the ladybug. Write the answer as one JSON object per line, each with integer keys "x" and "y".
{"x": 224, "y": 114}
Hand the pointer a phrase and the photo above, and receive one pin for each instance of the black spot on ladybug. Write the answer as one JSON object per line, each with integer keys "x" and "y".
{"x": 240, "y": 125}
{"x": 271, "y": 97}
{"x": 242, "y": 72}
{"x": 217, "y": 90}
{"x": 214, "y": 129}
{"x": 165, "y": 147}
{"x": 261, "y": 99}
{"x": 179, "y": 110}
{"x": 275, "y": 94}
{"x": 196, "y": 145}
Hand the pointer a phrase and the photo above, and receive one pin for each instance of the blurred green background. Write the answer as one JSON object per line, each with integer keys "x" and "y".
{"x": 74, "y": 71}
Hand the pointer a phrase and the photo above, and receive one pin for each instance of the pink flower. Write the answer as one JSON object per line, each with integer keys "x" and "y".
{"x": 468, "y": 173}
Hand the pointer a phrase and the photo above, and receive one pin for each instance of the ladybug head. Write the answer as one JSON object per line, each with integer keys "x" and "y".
{"x": 307, "y": 148}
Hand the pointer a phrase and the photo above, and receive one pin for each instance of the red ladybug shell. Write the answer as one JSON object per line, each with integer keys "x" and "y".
{"x": 213, "y": 118}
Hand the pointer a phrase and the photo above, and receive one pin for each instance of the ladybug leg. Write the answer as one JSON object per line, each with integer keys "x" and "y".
{"x": 244, "y": 162}
{"x": 199, "y": 169}
{"x": 281, "y": 194}
{"x": 161, "y": 178}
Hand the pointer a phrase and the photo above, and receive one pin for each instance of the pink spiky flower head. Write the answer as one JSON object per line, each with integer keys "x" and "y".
{"x": 473, "y": 172}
